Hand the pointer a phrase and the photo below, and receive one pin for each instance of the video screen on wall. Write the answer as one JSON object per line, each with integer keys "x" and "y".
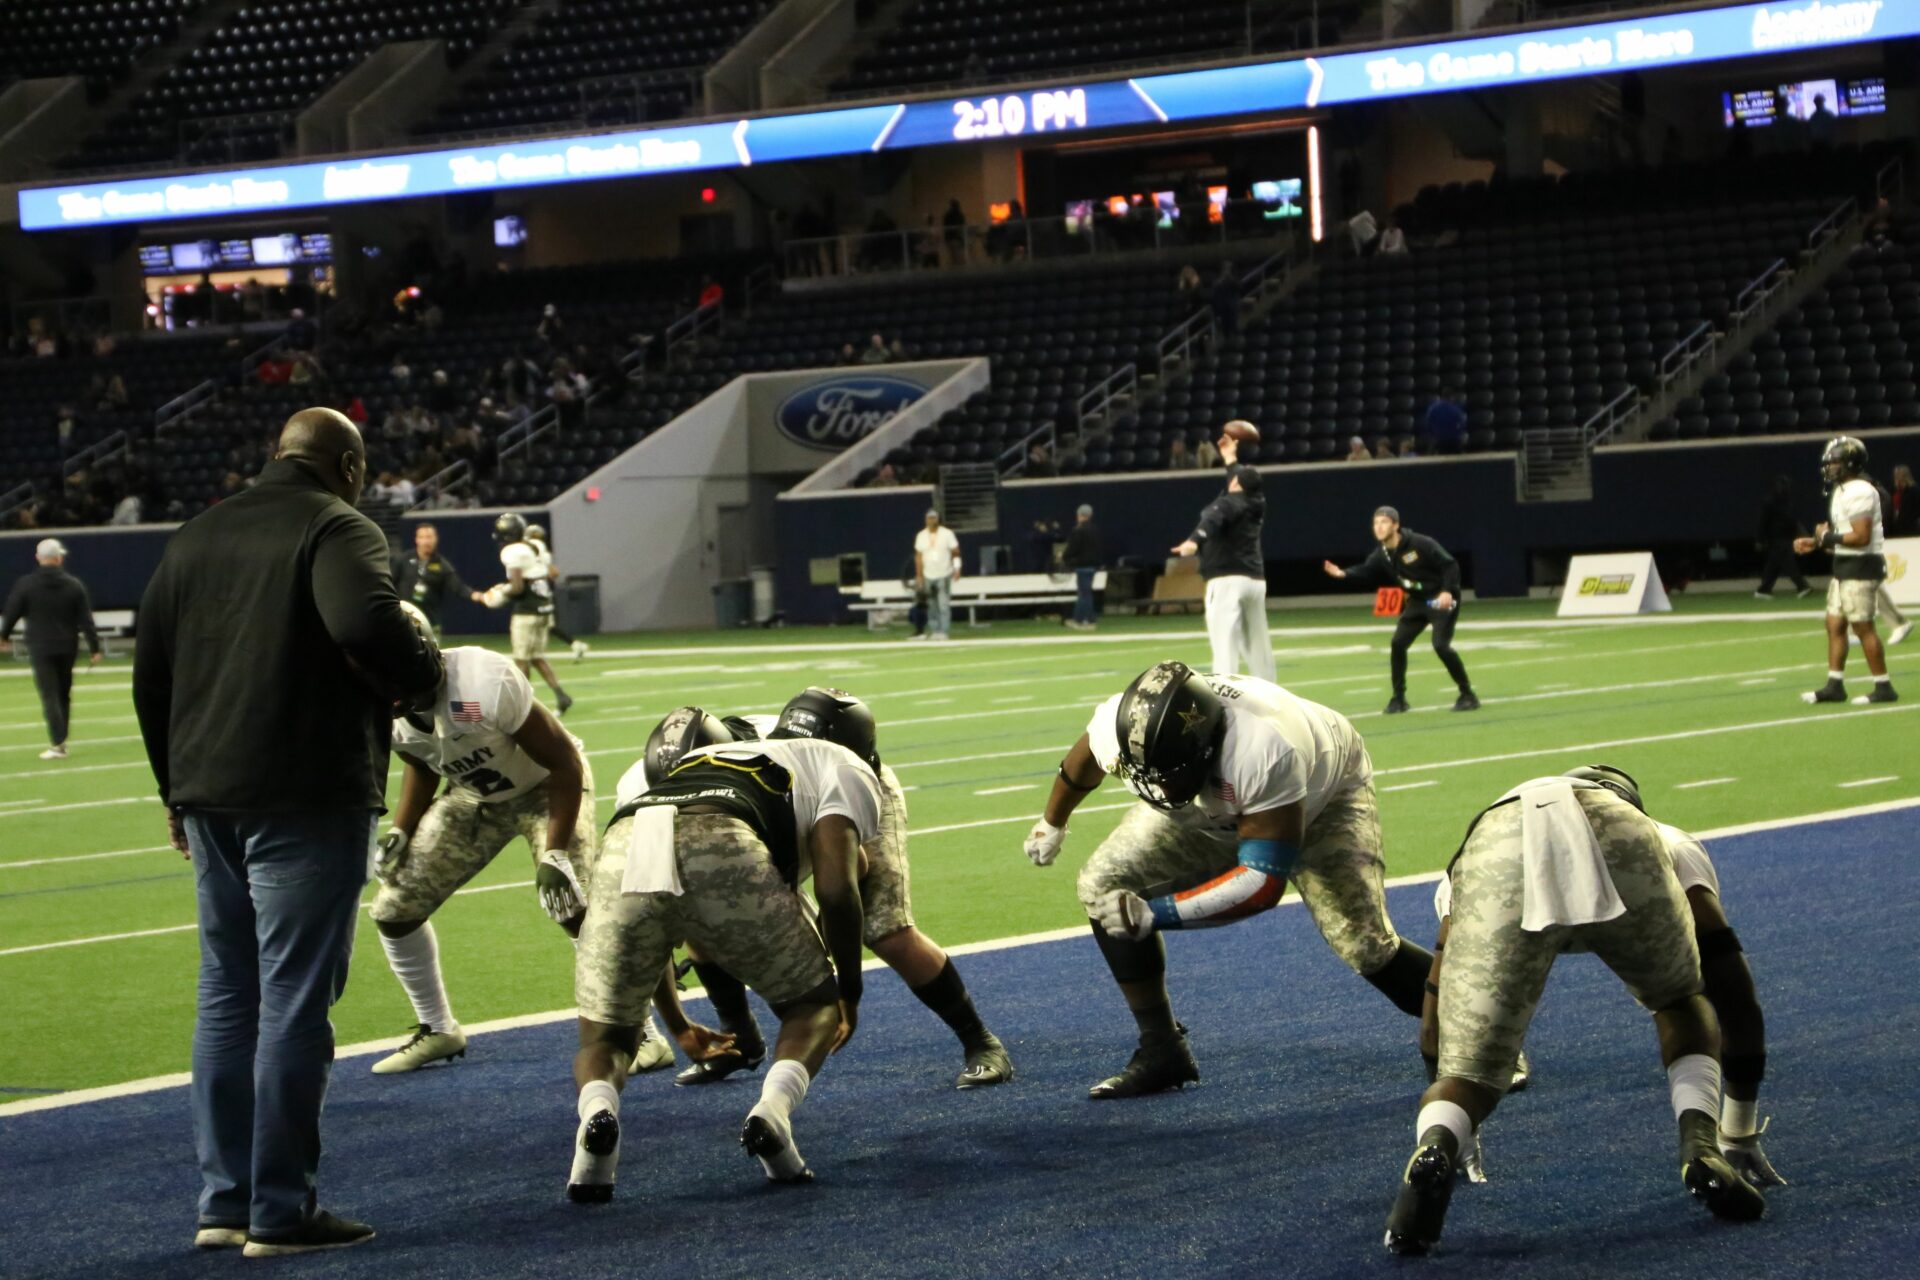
{"x": 1759, "y": 108}
{"x": 287, "y": 249}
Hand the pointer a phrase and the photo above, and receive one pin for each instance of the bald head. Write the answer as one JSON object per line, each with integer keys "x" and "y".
{"x": 328, "y": 442}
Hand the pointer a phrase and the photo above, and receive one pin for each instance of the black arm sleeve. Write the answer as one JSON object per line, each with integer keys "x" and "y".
{"x": 353, "y": 591}
{"x": 455, "y": 582}
{"x": 86, "y": 621}
{"x": 153, "y": 676}
{"x": 16, "y": 605}
{"x": 1372, "y": 571}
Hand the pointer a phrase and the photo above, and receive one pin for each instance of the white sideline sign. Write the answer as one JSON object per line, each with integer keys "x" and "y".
{"x": 1903, "y": 570}
{"x": 1612, "y": 585}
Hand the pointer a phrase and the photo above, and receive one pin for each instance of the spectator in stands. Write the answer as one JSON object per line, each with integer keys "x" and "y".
{"x": 441, "y": 396}
{"x": 302, "y": 334}
{"x": 551, "y": 329}
{"x": 306, "y": 370}
{"x": 569, "y": 395}
{"x": 955, "y": 222}
{"x": 1224, "y": 297}
{"x": 1407, "y": 449}
{"x": 1180, "y": 457}
{"x": 926, "y": 246}
{"x": 1188, "y": 281}
{"x": 876, "y": 351}
{"x": 1383, "y": 452}
{"x": 848, "y": 355}
{"x": 355, "y": 410}
{"x": 127, "y": 511}
{"x": 65, "y": 423}
{"x": 711, "y": 293}
{"x": 885, "y": 478}
{"x": 1357, "y": 450}
{"x": 1444, "y": 424}
{"x": 275, "y": 370}
{"x": 1393, "y": 242}
{"x": 1085, "y": 555}
{"x": 1206, "y": 454}
{"x": 1778, "y": 528}
{"x": 897, "y": 351}
{"x": 1903, "y": 505}
{"x": 519, "y": 376}
{"x": 1040, "y": 462}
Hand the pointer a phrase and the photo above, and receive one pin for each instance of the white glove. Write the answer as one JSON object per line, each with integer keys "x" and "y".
{"x": 493, "y": 597}
{"x": 392, "y": 852}
{"x": 1043, "y": 843}
{"x": 1124, "y": 914}
{"x": 1745, "y": 1155}
{"x": 560, "y": 892}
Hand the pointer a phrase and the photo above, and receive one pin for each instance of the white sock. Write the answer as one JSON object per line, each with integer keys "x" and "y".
{"x": 1884, "y": 679}
{"x": 784, "y": 1088}
{"x": 415, "y": 960}
{"x": 1737, "y": 1117}
{"x": 1693, "y": 1081}
{"x": 1450, "y": 1116}
{"x": 1837, "y": 677}
{"x": 598, "y": 1095}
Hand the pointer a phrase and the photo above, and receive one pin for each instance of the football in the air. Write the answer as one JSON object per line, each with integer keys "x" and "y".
{"x": 1243, "y": 431}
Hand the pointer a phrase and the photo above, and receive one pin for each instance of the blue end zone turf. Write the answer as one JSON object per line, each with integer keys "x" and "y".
{"x": 1282, "y": 1163}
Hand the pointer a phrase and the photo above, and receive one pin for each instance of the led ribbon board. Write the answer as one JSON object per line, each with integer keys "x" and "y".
{"x": 1221, "y": 92}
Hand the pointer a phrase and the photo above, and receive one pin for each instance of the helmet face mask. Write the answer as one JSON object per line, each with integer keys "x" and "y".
{"x": 1170, "y": 726}
{"x": 1843, "y": 459}
{"x": 832, "y": 715}
{"x": 680, "y": 731}
{"x": 1616, "y": 780}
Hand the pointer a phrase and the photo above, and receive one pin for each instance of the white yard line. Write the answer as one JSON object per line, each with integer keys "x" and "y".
{"x": 1704, "y": 782}
{"x": 1870, "y": 782}
{"x": 1412, "y": 786}
{"x": 1001, "y": 791}
{"x": 83, "y": 857}
{"x": 83, "y": 804}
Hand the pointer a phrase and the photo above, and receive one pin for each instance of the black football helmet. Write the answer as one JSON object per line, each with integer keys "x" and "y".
{"x": 509, "y": 528}
{"x": 1618, "y": 781}
{"x": 1844, "y": 458}
{"x": 418, "y": 710}
{"x": 536, "y": 533}
{"x": 834, "y": 715}
{"x": 742, "y": 729}
{"x": 1170, "y": 725}
{"x": 681, "y": 730}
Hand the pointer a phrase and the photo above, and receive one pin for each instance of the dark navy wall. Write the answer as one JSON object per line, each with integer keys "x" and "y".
{"x": 1644, "y": 497}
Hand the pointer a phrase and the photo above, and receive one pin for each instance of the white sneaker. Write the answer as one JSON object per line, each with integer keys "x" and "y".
{"x": 1900, "y": 633}
{"x": 769, "y": 1139}
{"x": 426, "y": 1047}
{"x": 54, "y": 753}
{"x": 579, "y": 650}
{"x": 655, "y": 1052}
{"x": 596, "y": 1155}
{"x": 1763, "y": 595}
{"x": 220, "y": 1238}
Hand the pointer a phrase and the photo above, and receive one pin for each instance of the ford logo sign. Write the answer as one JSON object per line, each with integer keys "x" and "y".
{"x": 843, "y": 411}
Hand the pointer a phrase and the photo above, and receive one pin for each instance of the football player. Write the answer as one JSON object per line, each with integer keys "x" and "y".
{"x": 713, "y": 855}
{"x": 537, "y": 539}
{"x": 1854, "y": 535}
{"x": 529, "y": 593}
{"x": 1727, "y": 982}
{"x": 510, "y": 770}
{"x": 1557, "y": 864}
{"x": 837, "y": 716}
{"x": 1243, "y": 787}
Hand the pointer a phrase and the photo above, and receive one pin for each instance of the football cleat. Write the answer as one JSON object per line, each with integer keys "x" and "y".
{"x": 1396, "y": 705}
{"x": 1420, "y": 1210}
{"x": 579, "y": 650}
{"x": 208, "y": 1237}
{"x": 717, "y": 1068}
{"x": 54, "y": 753}
{"x": 1900, "y": 633}
{"x": 1882, "y": 692}
{"x": 1831, "y": 691}
{"x": 1713, "y": 1182}
{"x": 1466, "y": 702}
{"x": 655, "y": 1052}
{"x": 987, "y": 1064}
{"x": 596, "y": 1154}
{"x": 425, "y": 1047}
{"x": 1151, "y": 1069}
{"x": 769, "y": 1139}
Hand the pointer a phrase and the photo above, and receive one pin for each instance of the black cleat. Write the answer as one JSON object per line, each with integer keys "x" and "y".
{"x": 599, "y": 1139}
{"x": 1466, "y": 702}
{"x": 1151, "y": 1069}
{"x": 1396, "y": 705}
{"x": 1420, "y": 1211}
{"x": 776, "y": 1153}
{"x": 987, "y": 1064}
{"x": 1831, "y": 691}
{"x": 1715, "y": 1184}
{"x": 563, "y": 703}
{"x": 1882, "y": 692}
{"x": 717, "y": 1068}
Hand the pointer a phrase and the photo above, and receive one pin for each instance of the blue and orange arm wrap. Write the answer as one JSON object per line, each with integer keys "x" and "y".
{"x": 1250, "y": 888}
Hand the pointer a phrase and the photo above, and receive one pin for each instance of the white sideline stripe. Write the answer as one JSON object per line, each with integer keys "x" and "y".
{"x": 154, "y": 1084}
{"x": 1412, "y": 786}
{"x": 78, "y": 768}
{"x": 15, "y": 804}
{"x": 82, "y": 804}
{"x": 1001, "y": 791}
{"x": 83, "y": 743}
{"x": 41, "y": 724}
{"x": 84, "y": 857}
{"x": 1759, "y": 680}
{"x": 1704, "y": 782}
{"x": 1871, "y": 782}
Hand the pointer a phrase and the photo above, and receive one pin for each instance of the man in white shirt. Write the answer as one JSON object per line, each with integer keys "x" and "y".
{"x": 936, "y": 567}
{"x": 511, "y": 771}
{"x": 713, "y": 856}
{"x": 1854, "y": 535}
{"x": 1244, "y": 787}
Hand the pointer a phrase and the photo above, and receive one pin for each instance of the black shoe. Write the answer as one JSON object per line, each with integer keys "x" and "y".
{"x": 563, "y": 703}
{"x": 1831, "y": 691}
{"x": 1152, "y": 1069}
{"x": 775, "y": 1153}
{"x": 1882, "y": 692}
{"x": 987, "y": 1064}
{"x": 600, "y": 1136}
{"x": 1396, "y": 705}
{"x": 1420, "y": 1211}
{"x": 1715, "y": 1184}
{"x": 322, "y": 1231}
{"x": 715, "y": 1069}
{"x": 1466, "y": 702}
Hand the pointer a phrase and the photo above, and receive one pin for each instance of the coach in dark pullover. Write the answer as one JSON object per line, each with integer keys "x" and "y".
{"x": 271, "y": 653}
{"x": 1430, "y": 579}
{"x": 57, "y": 612}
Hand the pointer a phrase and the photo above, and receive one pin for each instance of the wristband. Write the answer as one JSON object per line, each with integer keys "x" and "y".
{"x": 1831, "y": 538}
{"x": 1071, "y": 785}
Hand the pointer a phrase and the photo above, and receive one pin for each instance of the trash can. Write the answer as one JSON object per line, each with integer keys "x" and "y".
{"x": 577, "y": 605}
{"x": 732, "y": 603}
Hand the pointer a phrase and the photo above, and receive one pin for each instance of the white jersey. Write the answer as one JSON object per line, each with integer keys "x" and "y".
{"x": 544, "y": 555}
{"x": 538, "y": 597}
{"x": 1279, "y": 748}
{"x": 485, "y": 702}
{"x": 1691, "y": 865}
{"x": 1851, "y": 500}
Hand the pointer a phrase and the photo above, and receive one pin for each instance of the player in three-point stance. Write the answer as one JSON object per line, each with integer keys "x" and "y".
{"x": 1556, "y": 864}
{"x": 1429, "y": 579}
{"x": 713, "y": 856}
{"x": 1243, "y": 787}
{"x": 1854, "y": 535}
{"x": 528, "y": 591}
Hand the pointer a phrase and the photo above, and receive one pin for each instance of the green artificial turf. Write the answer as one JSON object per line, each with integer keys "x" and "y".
{"x": 974, "y": 727}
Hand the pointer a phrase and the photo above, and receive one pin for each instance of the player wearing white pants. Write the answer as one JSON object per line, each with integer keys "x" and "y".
{"x": 1237, "y": 626}
{"x": 1227, "y": 540}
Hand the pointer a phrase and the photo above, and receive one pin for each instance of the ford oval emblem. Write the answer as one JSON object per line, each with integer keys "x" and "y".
{"x": 836, "y": 412}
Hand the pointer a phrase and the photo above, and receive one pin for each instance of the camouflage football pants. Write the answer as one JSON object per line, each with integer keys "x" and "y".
{"x": 461, "y": 833}
{"x": 1339, "y": 875}
{"x": 885, "y": 893}
{"x": 1495, "y": 970}
{"x": 736, "y": 909}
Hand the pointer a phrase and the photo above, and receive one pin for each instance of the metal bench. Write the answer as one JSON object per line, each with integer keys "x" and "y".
{"x": 880, "y": 599}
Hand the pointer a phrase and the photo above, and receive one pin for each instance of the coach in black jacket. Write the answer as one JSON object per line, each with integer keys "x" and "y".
{"x": 271, "y": 654}
{"x": 1430, "y": 578}
{"x": 57, "y": 612}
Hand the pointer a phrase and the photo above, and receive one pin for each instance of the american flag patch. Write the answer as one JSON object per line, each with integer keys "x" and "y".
{"x": 1225, "y": 789}
{"x": 464, "y": 712}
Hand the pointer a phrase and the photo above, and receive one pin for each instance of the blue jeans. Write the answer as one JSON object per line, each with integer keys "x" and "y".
{"x": 278, "y": 894}
{"x": 1084, "y": 611}
{"x": 940, "y": 605}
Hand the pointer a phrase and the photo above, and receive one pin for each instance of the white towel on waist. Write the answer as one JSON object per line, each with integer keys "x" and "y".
{"x": 652, "y": 865}
{"x": 1566, "y": 879}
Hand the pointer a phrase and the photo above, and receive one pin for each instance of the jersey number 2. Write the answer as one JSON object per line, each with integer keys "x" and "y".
{"x": 487, "y": 782}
